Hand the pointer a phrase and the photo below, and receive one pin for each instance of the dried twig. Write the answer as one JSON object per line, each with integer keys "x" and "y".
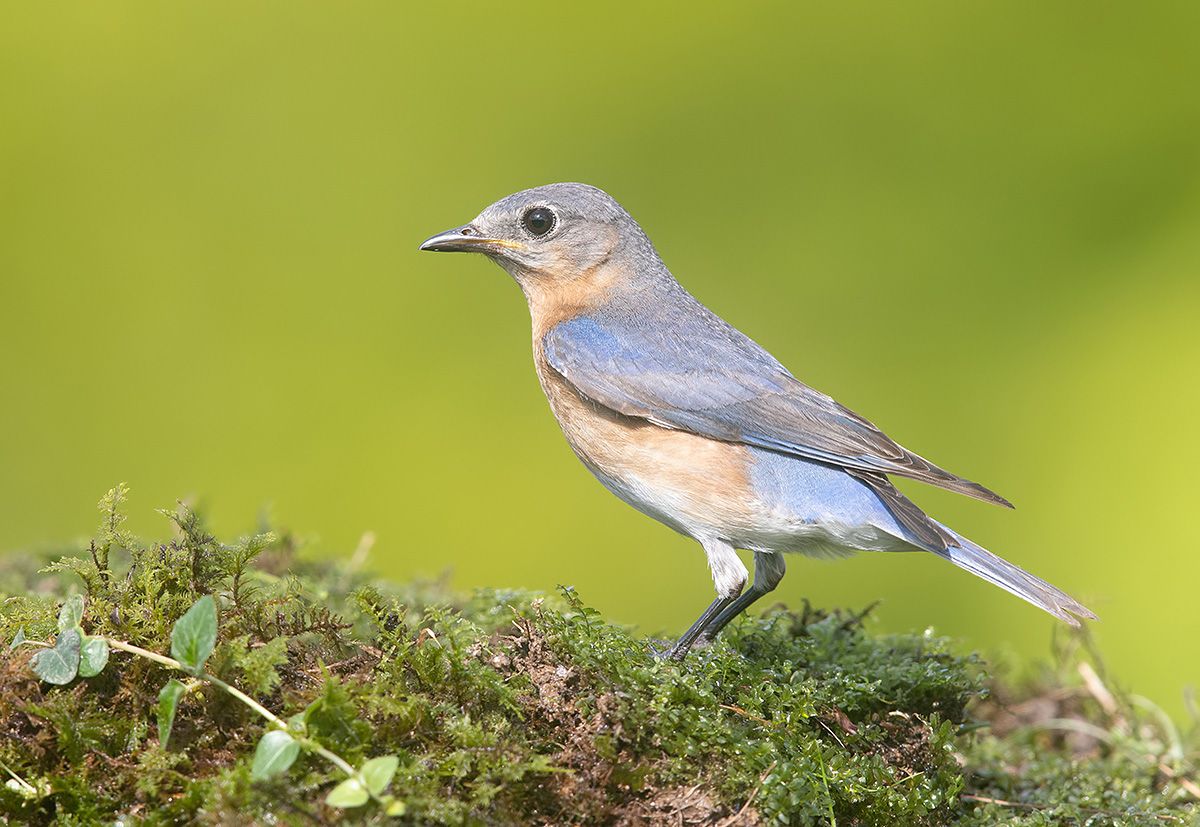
{"x": 737, "y": 817}
{"x": 1024, "y": 805}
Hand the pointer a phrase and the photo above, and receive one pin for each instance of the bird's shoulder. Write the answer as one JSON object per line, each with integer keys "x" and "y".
{"x": 659, "y": 332}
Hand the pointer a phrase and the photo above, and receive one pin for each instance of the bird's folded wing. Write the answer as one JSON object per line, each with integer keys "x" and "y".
{"x": 716, "y": 382}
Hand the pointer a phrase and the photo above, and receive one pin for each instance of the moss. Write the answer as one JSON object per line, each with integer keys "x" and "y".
{"x": 511, "y": 708}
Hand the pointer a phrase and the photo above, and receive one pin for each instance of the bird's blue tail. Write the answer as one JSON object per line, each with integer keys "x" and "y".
{"x": 982, "y": 563}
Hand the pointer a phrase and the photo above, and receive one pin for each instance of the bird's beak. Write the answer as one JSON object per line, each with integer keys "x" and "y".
{"x": 466, "y": 239}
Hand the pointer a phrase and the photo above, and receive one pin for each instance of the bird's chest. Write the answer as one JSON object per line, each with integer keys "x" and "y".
{"x": 696, "y": 485}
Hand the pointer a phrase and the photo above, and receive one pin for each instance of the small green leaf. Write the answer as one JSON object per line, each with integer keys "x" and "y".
{"x": 378, "y": 772}
{"x": 395, "y": 807}
{"x": 71, "y": 613}
{"x": 93, "y": 655}
{"x": 59, "y": 664}
{"x": 297, "y": 724}
{"x": 195, "y": 634}
{"x": 350, "y": 793}
{"x": 19, "y": 639}
{"x": 168, "y": 702}
{"x": 275, "y": 753}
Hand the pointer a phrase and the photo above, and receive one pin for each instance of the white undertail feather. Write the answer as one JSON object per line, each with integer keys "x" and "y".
{"x": 728, "y": 571}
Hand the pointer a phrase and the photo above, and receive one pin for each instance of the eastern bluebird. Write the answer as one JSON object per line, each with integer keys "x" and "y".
{"x": 692, "y": 423}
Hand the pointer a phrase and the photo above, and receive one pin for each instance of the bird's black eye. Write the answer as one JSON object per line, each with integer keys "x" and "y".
{"x": 539, "y": 220}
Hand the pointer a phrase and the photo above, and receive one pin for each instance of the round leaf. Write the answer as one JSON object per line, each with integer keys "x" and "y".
{"x": 93, "y": 655}
{"x": 60, "y": 663}
{"x": 275, "y": 753}
{"x": 377, "y": 773}
{"x": 350, "y": 793}
{"x": 19, "y": 639}
{"x": 71, "y": 613}
{"x": 195, "y": 634}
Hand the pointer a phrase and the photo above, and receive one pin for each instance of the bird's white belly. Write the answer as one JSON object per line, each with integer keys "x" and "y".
{"x": 752, "y": 525}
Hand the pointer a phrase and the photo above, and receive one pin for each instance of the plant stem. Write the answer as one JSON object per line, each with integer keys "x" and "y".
{"x": 333, "y": 758}
{"x": 271, "y": 717}
{"x": 246, "y": 699}
{"x": 308, "y": 743}
{"x": 25, "y": 785}
{"x": 145, "y": 653}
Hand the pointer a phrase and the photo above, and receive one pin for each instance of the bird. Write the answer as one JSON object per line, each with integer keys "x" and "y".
{"x": 692, "y": 423}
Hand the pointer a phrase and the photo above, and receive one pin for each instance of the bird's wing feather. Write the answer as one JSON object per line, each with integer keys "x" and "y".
{"x": 710, "y": 379}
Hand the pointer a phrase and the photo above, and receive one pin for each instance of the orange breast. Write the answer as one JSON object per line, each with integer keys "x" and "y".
{"x": 696, "y": 485}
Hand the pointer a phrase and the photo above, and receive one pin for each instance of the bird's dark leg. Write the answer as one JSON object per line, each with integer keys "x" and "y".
{"x": 684, "y": 644}
{"x": 729, "y": 576}
{"x": 768, "y": 571}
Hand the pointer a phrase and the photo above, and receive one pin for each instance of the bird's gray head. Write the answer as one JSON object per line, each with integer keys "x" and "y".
{"x": 552, "y": 234}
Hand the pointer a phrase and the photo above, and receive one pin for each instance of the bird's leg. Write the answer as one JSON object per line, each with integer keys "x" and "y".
{"x": 768, "y": 571}
{"x": 729, "y": 576}
{"x": 684, "y": 644}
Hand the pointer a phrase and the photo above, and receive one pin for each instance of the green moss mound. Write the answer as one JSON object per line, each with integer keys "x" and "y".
{"x": 514, "y": 708}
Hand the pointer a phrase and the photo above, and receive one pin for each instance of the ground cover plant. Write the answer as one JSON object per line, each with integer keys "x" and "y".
{"x": 192, "y": 680}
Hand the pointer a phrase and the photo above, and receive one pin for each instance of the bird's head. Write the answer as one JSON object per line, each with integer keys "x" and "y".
{"x": 550, "y": 236}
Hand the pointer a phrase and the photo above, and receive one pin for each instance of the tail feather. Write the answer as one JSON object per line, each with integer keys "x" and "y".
{"x": 1015, "y": 580}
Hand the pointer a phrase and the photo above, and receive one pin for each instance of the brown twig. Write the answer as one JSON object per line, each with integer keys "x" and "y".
{"x": 736, "y": 817}
{"x": 1023, "y": 805}
{"x": 739, "y": 711}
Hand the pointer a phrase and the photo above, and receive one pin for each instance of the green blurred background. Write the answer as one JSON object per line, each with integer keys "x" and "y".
{"x": 975, "y": 223}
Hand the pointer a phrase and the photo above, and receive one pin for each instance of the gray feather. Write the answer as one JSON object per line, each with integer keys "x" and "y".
{"x": 924, "y": 528}
{"x": 1015, "y": 580}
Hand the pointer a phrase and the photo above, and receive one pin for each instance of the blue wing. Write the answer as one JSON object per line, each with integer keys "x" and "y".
{"x": 683, "y": 367}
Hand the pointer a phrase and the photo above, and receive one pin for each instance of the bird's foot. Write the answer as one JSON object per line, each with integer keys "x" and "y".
{"x": 676, "y": 650}
{"x": 662, "y": 649}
